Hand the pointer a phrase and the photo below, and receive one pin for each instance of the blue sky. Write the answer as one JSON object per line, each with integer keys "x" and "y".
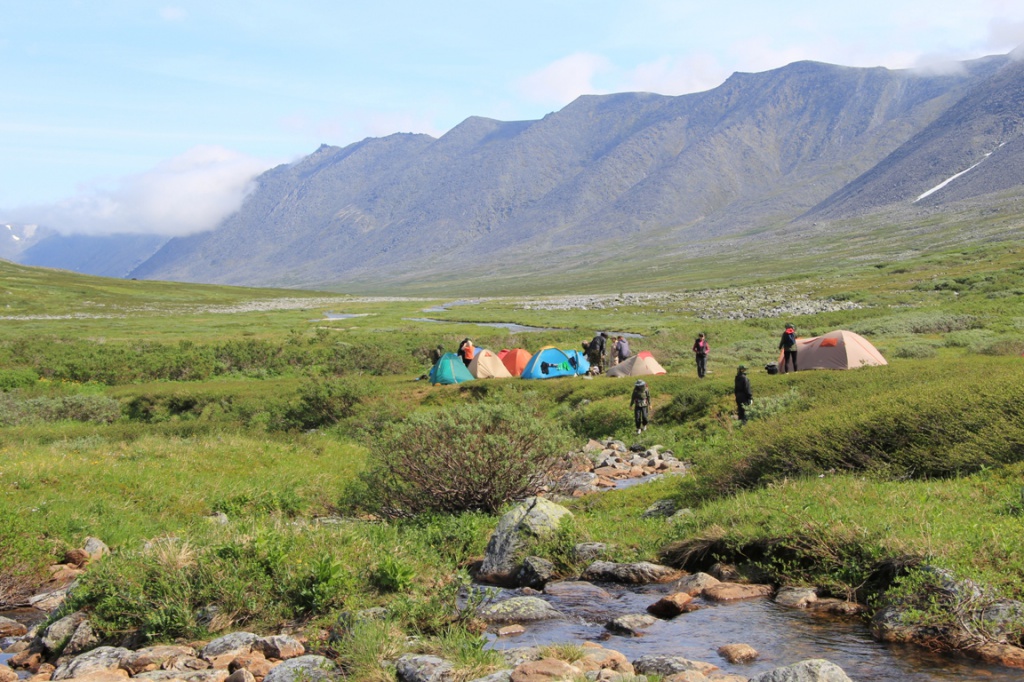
{"x": 131, "y": 115}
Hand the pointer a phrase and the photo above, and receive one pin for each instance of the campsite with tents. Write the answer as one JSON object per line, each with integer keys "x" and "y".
{"x": 256, "y": 464}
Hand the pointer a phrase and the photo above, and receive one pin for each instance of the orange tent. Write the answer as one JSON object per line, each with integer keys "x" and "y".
{"x": 514, "y": 360}
{"x": 836, "y": 350}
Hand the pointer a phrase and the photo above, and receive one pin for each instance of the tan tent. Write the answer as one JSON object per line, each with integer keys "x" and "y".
{"x": 836, "y": 350}
{"x": 486, "y": 365}
{"x": 640, "y": 364}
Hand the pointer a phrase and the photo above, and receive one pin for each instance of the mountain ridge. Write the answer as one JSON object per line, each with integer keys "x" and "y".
{"x": 803, "y": 144}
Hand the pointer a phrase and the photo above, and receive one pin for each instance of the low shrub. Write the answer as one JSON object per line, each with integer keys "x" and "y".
{"x": 914, "y": 351}
{"x": 468, "y": 457}
{"x": 939, "y": 426}
{"x": 11, "y": 379}
{"x": 15, "y": 411}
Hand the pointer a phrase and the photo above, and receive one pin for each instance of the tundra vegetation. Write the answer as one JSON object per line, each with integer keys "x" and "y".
{"x": 137, "y": 412}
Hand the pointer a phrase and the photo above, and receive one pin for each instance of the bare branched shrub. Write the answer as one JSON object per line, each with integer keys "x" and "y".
{"x": 470, "y": 457}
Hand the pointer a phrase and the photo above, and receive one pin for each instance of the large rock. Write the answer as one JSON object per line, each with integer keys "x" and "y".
{"x": 152, "y": 658}
{"x": 221, "y": 651}
{"x": 534, "y": 519}
{"x": 639, "y": 573}
{"x": 303, "y": 669}
{"x": 534, "y": 572}
{"x": 7, "y": 675}
{"x": 659, "y": 664}
{"x": 736, "y": 591}
{"x": 59, "y": 633}
{"x": 796, "y": 597}
{"x": 283, "y": 647}
{"x": 11, "y": 628}
{"x": 421, "y": 668}
{"x": 104, "y": 658}
{"x": 695, "y": 583}
{"x": 207, "y": 675}
{"x": 83, "y": 639}
{"x": 519, "y": 610}
{"x": 632, "y": 624}
{"x": 814, "y": 670}
{"x": 544, "y": 670}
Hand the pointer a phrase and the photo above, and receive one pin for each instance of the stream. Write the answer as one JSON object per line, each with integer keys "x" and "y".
{"x": 783, "y": 636}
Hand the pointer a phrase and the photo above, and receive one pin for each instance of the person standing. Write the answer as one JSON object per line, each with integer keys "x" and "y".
{"x": 700, "y": 351}
{"x": 640, "y": 401}
{"x": 744, "y": 396}
{"x": 788, "y": 347}
{"x": 466, "y": 351}
{"x": 596, "y": 351}
{"x": 621, "y": 349}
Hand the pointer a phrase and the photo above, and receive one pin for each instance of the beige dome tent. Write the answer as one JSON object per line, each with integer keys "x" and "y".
{"x": 640, "y": 364}
{"x": 836, "y": 350}
{"x": 487, "y": 365}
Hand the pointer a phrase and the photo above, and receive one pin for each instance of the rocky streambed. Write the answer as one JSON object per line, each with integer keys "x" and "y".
{"x": 624, "y": 621}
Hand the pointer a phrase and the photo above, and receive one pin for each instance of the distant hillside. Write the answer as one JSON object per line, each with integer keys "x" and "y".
{"x": 106, "y": 256}
{"x": 659, "y": 175}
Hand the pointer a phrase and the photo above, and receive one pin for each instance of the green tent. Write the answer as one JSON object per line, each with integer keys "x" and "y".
{"x": 450, "y": 369}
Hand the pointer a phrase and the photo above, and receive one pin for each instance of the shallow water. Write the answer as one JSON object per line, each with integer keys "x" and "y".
{"x": 782, "y": 636}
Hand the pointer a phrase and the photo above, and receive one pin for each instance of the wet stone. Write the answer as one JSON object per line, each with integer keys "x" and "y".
{"x": 631, "y": 624}
{"x": 738, "y": 653}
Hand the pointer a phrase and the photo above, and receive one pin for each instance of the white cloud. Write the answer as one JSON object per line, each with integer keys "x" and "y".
{"x": 676, "y": 76}
{"x": 563, "y": 80}
{"x": 1005, "y": 34}
{"x": 187, "y": 194}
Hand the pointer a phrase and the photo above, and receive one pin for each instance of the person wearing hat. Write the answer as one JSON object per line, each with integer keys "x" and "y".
{"x": 641, "y": 404}
{"x": 744, "y": 396}
{"x": 788, "y": 347}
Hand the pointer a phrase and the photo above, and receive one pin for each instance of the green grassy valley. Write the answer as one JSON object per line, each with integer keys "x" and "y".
{"x": 140, "y": 412}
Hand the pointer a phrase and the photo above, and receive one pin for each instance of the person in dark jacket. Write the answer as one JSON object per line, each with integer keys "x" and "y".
{"x": 744, "y": 396}
{"x": 640, "y": 401}
{"x": 596, "y": 351}
{"x": 788, "y": 347}
{"x": 700, "y": 351}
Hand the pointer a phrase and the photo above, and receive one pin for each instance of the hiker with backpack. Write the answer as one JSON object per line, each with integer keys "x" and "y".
{"x": 788, "y": 347}
{"x": 744, "y": 396}
{"x": 700, "y": 351}
{"x": 640, "y": 401}
{"x": 596, "y": 351}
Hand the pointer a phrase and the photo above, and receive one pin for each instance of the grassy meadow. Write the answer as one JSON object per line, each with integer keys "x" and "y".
{"x": 136, "y": 412}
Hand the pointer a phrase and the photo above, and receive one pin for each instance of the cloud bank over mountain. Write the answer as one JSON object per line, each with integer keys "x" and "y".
{"x": 189, "y": 193}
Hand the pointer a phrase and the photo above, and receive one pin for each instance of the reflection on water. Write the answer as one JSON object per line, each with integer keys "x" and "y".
{"x": 782, "y": 636}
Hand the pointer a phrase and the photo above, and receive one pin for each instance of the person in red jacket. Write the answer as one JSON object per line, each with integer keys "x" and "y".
{"x": 788, "y": 347}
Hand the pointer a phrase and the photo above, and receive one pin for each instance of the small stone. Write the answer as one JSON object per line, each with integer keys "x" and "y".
{"x": 95, "y": 548}
{"x": 76, "y": 557}
{"x": 241, "y": 675}
{"x": 738, "y": 653}
{"x": 735, "y": 592}
{"x": 280, "y": 646}
{"x": 695, "y": 583}
{"x": 544, "y": 670}
{"x": 7, "y": 675}
{"x": 511, "y": 630}
{"x": 631, "y": 624}
{"x": 672, "y": 605}
{"x": 796, "y": 597}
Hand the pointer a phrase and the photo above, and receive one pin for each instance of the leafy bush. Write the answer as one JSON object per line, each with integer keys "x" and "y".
{"x": 914, "y": 351}
{"x": 470, "y": 457}
{"x": 951, "y": 425}
{"x": 1005, "y": 347}
{"x": 80, "y": 408}
{"x": 324, "y": 402}
{"x": 11, "y": 379}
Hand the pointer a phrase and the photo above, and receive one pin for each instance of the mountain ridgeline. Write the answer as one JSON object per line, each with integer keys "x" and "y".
{"x": 672, "y": 176}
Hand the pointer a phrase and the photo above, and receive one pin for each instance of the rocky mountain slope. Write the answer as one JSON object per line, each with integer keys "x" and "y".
{"x": 632, "y": 173}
